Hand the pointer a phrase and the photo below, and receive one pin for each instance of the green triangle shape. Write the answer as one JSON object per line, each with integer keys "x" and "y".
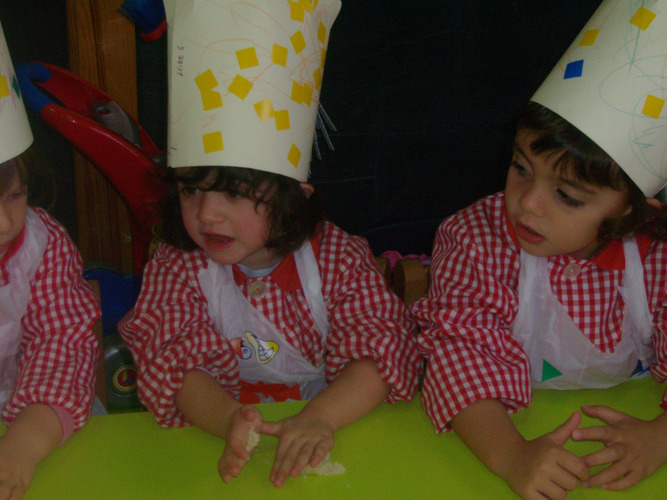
{"x": 548, "y": 371}
{"x": 15, "y": 84}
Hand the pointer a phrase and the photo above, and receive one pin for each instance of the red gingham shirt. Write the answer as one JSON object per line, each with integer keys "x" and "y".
{"x": 59, "y": 349}
{"x": 473, "y": 299}
{"x": 170, "y": 331}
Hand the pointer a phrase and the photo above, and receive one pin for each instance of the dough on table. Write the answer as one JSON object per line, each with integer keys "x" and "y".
{"x": 253, "y": 440}
{"x": 325, "y": 468}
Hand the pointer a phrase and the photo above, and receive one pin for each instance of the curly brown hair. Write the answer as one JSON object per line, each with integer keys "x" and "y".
{"x": 293, "y": 217}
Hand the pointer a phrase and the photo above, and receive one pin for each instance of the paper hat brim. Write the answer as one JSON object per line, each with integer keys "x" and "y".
{"x": 15, "y": 133}
{"x": 611, "y": 85}
{"x": 244, "y": 82}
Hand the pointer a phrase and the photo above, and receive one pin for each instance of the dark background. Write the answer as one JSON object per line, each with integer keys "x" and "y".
{"x": 422, "y": 93}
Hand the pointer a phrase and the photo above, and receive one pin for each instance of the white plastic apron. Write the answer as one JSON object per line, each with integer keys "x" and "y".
{"x": 14, "y": 299}
{"x": 561, "y": 357}
{"x": 263, "y": 353}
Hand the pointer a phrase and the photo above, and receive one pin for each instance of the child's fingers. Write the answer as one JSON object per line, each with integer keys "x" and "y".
{"x": 290, "y": 461}
{"x": 251, "y": 414}
{"x": 575, "y": 468}
{"x": 271, "y": 428}
{"x": 604, "y": 413}
{"x": 602, "y": 433}
{"x": 563, "y": 432}
{"x": 610, "y": 475}
{"x": 630, "y": 479}
{"x": 607, "y": 455}
{"x": 319, "y": 453}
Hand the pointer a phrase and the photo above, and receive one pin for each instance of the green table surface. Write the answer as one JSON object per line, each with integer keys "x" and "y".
{"x": 393, "y": 452}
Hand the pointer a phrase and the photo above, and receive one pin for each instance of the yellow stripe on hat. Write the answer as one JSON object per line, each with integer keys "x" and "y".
{"x": 4, "y": 87}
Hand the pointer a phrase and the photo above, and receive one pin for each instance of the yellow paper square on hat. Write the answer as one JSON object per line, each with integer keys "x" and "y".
{"x": 4, "y": 87}
{"x": 282, "y": 119}
{"x": 264, "y": 109}
{"x": 321, "y": 33}
{"x": 653, "y": 106}
{"x": 589, "y": 38}
{"x": 212, "y": 142}
{"x": 642, "y": 18}
{"x": 296, "y": 12}
{"x": 294, "y": 156}
{"x": 247, "y": 58}
{"x": 279, "y": 55}
{"x": 298, "y": 42}
{"x": 240, "y": 87}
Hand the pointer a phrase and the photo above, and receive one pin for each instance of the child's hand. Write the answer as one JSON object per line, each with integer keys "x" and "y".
{"x": 635, "y": 448}
{"x": 16, "y": 470}
{"x": 303, "y": 441}
{"x": 236, "y": 455}
{"x": 542, "y": 468}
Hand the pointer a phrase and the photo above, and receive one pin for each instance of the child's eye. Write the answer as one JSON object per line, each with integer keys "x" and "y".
{"x": 17, "y": 195}
{"x": 234, "y": 193}
{"x": 520, "y": 169}
{"x": 189, "y": 190}
{"x": 568, "y": 200}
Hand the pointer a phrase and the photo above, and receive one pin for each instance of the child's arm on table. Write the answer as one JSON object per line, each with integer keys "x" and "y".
{"x": 308, "y": 436}
{"x": 208, "y": 406}
{"x": 539, "y": 468}
{"x": 32, "y": 436}
{"x": 634, "y": 448}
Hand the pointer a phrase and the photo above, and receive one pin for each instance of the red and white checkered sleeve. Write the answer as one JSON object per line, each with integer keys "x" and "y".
{"x": 366, "y": 319}
{"x": 465, "y": 318}
{"x": 169, "y": 332}
{"x": 60, "y": 351}
{"x": 655, "y": 271}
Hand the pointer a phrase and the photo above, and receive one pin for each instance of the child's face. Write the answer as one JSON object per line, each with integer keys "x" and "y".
{"x": 553, "y": 213}
{"x": 13, "y": 206}
{"x": 231, "y": 229}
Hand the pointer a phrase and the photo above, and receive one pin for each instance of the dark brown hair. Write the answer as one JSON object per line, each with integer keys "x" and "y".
{"x": 35, "y": 172}
{"x": 7, "y": 171}
{"x": 292, "y": 216}
{"x": 582, "y": 158}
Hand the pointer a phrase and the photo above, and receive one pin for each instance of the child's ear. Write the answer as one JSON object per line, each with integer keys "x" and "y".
{"x": 308, "y": 189}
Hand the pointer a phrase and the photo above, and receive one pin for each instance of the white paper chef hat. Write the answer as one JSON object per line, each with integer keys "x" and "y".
{"x": 15, "y": 133}
{"x": 244, "y": 82}
{"x": 612, "y": 85}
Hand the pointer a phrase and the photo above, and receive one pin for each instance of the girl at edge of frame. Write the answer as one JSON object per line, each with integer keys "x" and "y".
{"x": 569, "y": 219}
{"x": 347, "y": 342}
{"x": 50, "y": 352}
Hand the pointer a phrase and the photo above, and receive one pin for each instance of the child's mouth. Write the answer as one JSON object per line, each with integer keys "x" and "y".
{"x": 218, "y": 239}
{"x": 527, "y": 234}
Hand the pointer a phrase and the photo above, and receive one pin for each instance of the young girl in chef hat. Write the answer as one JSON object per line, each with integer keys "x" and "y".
{"x": 560, "y": 281}
{"x": 254, "y": 297}
{"x": 48, "y": 352}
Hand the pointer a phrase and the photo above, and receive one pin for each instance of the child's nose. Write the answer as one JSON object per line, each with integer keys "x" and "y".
{"x": 532, "y": 200}
{"x": 212, "y": 207}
